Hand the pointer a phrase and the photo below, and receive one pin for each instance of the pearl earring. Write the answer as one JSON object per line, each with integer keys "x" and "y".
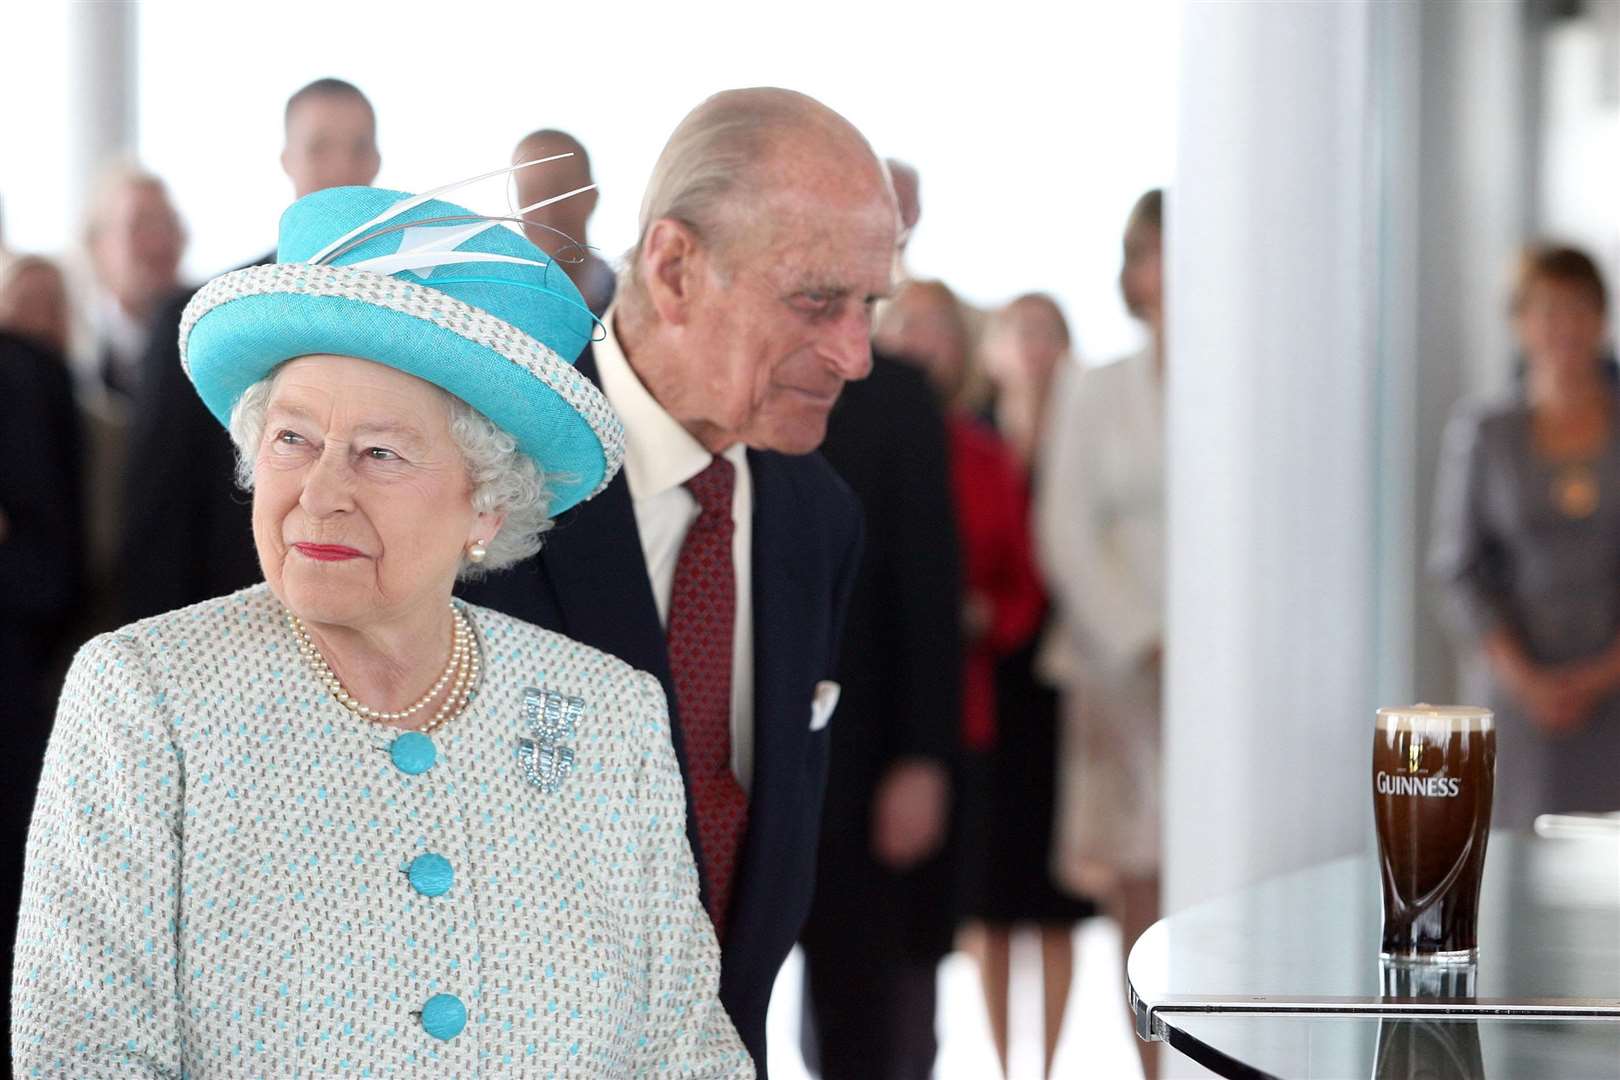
{"x": 476, "y": 551}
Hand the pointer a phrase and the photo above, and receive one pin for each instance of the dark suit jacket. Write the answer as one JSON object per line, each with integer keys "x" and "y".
{"x": 42, "y": 552}
{"x": 41, "y": 578}
{"x": 188, "y": 529}
{"x": 901, "y": 667}
{"x": 590, "y": 582}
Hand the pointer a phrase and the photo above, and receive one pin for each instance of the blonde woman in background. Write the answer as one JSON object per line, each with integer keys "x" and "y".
{"x": 1026, "y": 348}
{"x": 1100, "y": 534}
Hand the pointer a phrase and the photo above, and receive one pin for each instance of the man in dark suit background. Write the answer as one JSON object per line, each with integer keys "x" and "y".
{"x": 185, "y": 522}
{"x": 41, "y": 575}
{"x": 722, "y": 557}
{"x": 885, "y": 913}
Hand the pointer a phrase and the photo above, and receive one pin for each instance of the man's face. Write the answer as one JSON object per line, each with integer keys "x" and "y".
{"x": 550, "y": 225}
{"x": 783, "y": 319}
{"x": 138, "y": 245}
{"x": 331, "y": 142}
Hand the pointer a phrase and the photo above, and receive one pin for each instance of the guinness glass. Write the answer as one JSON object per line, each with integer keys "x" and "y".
{"x": 1434, "y": 768}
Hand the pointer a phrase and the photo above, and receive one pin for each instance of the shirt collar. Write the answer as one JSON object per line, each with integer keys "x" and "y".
{"x": 659, "y": 454}
{"x": 123, "y": 332}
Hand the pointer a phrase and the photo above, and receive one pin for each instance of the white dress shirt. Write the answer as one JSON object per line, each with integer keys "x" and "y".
{"x": 121, "y": 336}
{"x": 660, "y": 456}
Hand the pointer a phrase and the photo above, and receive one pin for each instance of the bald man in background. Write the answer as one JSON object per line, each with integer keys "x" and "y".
{"x": 560, "y": 229}
{"x": 722, "y": 557}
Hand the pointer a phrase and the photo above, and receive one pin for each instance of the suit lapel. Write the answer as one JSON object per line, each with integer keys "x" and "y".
{"x": 784, "y": 608}
{"x": 594, "y": 562}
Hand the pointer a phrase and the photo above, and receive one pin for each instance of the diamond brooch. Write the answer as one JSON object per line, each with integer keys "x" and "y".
{"x": 552, "y": 720}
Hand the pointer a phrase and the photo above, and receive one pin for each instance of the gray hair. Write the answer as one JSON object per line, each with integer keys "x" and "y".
{"x": 709, "y": 171}
{"x": 504, "y": 478}
{"x": 111, "y": 181}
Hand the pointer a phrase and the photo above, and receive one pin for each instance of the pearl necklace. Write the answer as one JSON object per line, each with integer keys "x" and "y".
{"x": 460, "y": 675}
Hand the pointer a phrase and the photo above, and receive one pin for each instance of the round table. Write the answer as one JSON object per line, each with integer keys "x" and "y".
{"x": 1283, "y": 978}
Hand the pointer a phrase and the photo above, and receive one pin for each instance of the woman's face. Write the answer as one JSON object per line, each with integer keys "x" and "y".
{"x": 1141, "y": 277}
{"x": 1559, "y": 325}
{"x": 1024, "y": 347}
{"x": 361, "y": 502}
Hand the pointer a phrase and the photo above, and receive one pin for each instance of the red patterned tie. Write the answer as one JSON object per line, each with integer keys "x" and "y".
{"x": 702, "y": 614}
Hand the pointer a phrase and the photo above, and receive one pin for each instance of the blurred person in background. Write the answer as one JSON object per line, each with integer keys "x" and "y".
{"x": 908, "y": 193}
{"x": 1026, "y": 348}
{"x": 34, "y": 303}
{"x": 1527, "y": 547}
{"x": 41, "y": 545}
{"x": 1025, "y": 351}
{"x": 36, "y": 311}
{"x": 185, "y": 519}
{"x": 883, "y": 914}
{"x": 560, "y": 229}
{"x": 135, "y": 241}
{"x": 1002, "y": 604}
{"x": 1100, "y": 532}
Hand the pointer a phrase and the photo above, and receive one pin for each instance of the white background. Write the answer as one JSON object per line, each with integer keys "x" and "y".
{"x": 1035, "y": 126}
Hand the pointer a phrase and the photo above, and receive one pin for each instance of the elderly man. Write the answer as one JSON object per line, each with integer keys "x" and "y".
{"x": 184, "y": 519}
{"x": 135, "y": 241}
{"x": 559, "y": 229}
{"x": 723, "y": 557}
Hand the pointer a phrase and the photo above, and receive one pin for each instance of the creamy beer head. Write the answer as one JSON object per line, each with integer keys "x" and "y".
{"x": 1434, "y": 771}
{"x": 1452, "y": 717}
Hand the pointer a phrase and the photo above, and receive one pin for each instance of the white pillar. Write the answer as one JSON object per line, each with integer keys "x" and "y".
{"x": 1279, "y": 518}
{"x": 102, "y": 49}
{"x": 1476, "y": 155}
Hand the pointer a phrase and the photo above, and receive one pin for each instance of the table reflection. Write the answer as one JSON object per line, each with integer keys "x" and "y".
{"x": 1428, "y": 1049}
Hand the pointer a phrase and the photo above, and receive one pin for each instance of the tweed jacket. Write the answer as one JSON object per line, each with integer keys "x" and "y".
{"x": 230, "y": 875}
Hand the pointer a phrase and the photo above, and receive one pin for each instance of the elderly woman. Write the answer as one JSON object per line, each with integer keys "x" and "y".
{"x": 339, "y": 822}
{"x": 1527, "y": 547}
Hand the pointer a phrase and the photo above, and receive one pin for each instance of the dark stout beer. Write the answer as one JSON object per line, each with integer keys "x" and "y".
{"x": 1434, "y": 769}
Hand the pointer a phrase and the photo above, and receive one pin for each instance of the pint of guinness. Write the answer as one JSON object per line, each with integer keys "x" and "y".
{"x": 1434, "y": 769}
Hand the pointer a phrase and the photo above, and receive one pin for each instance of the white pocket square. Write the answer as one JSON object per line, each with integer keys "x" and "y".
{"x": 823, "y": 704}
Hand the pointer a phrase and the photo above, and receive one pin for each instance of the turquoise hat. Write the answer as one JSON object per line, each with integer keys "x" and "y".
{"x": 432, "y": 289}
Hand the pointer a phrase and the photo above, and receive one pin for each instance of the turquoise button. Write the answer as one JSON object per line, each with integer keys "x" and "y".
{"x": 412, "y": 753}
{"x": 431, "y": 875}
{"x": 444, "y": 1016}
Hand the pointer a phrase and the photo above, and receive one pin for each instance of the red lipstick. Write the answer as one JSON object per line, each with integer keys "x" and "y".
{"x": 328, "y": 552}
